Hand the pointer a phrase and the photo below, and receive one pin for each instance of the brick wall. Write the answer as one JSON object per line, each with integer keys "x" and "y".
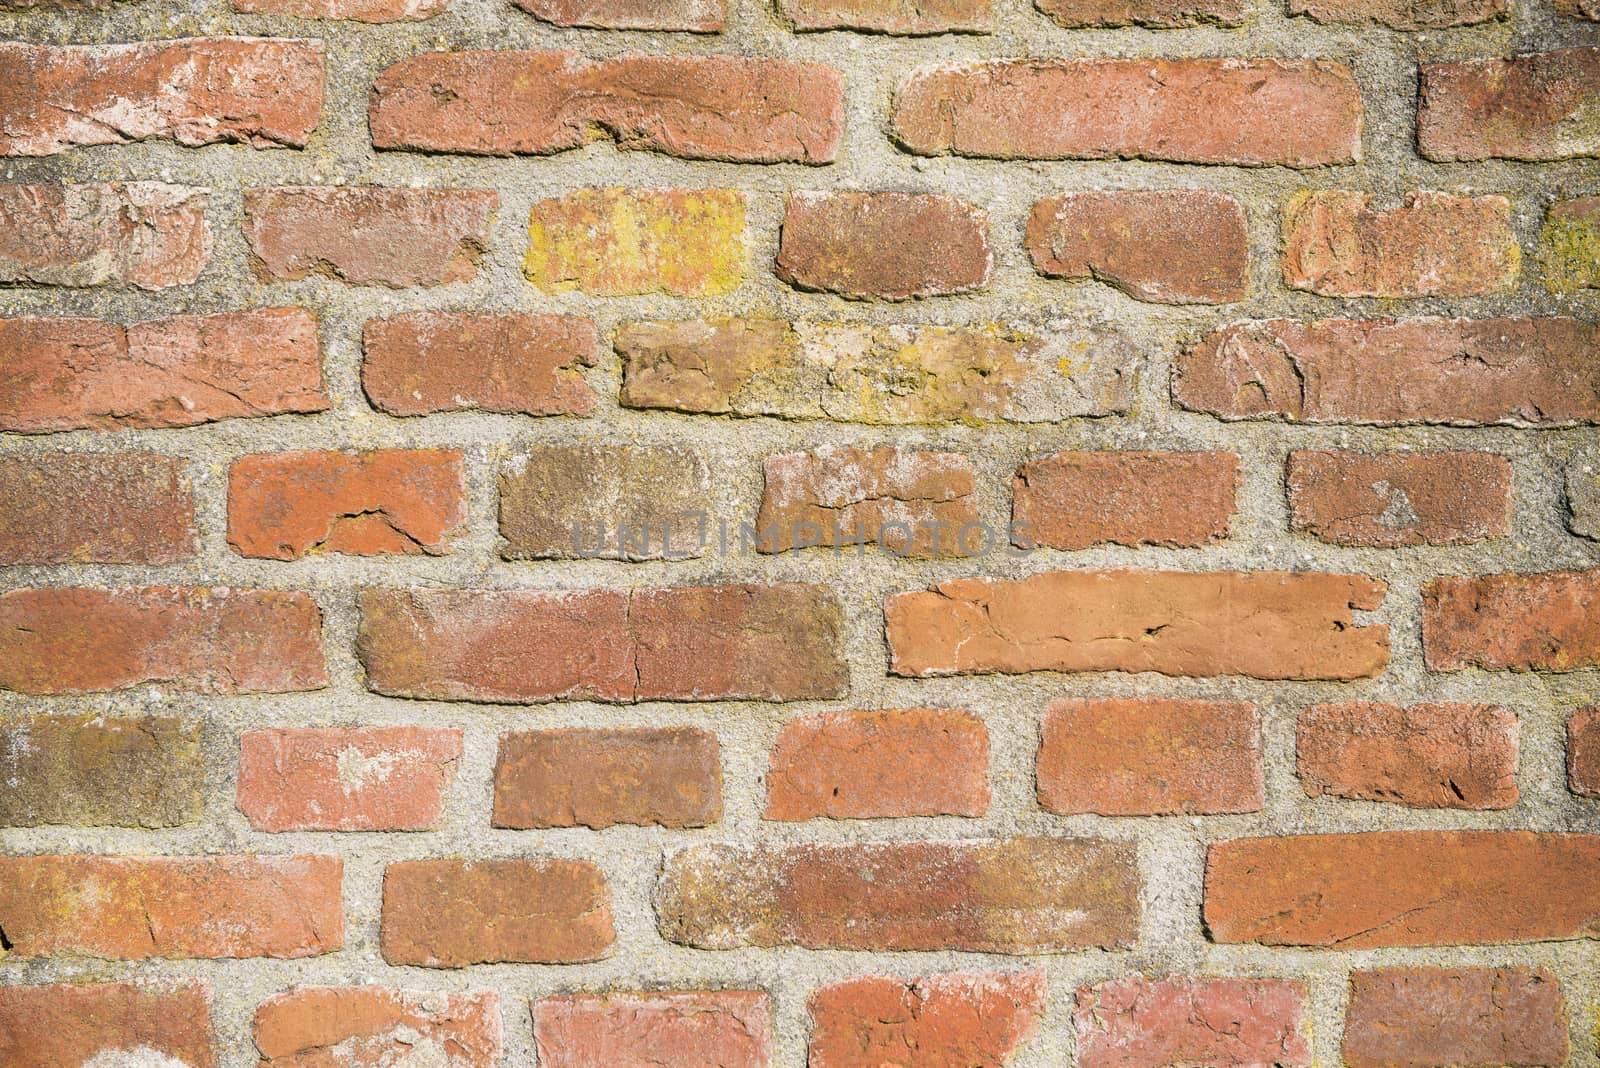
{"x": 603, "y": 533}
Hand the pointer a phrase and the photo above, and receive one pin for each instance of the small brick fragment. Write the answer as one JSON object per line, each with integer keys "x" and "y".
{"x": 1535, "y": 106}
{"x": 375, "y": 1027}
{"x": 1401, "y": 14}
{"x": 346, "y": 779}
{"x": 1569, "y": 245}
{"x": 666, "y": 1029}
{"x": 86, "y": 770}
{"x": 1539, "y": 622}
{"x": 693, "y": 16}
{"x": 884, "y": 246}
{"x": 669, "y": 777}
{"x": 1583, "y": 492}
{"x": 1073, "y": 500}
{"x": 890, "y": 16}
{"x": 1156, "y": 14}
{"x": 1229, "y": 1023}
{"x": 1421, "y": 1017}
{"x": 1583, "y": 752}
{"x": 145, "y": 234}
{"x": 71, "y": 1025}
{"x": 118, "y": 508}
{"x": 949, "y": 1020}
{"x": 1387, "y": 500}
{"x": 372, "y": 11}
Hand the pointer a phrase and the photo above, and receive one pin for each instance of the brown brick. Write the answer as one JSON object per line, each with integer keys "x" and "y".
{"x": 866, "y": 764}
{"x": 127, "y": 508}
{"x": 69, "y": 1026}
{"x": 1515, "y": 372}
{"x": 375, "y": 11}
{"x": 1167, "y": 246}
{"x": 671, "y": 777}
{"x": 1386, "y": 500}
{"x": 143, "y": 234}
{"x": 1543, "y": 622}
{"x": 1073, "y": 500}
{"x": 1267, "y": 625}
{"x": 1583, "y": 752}
{"x": 1536, "y": 106}
{"x": 133, "y": 908}
{"x": 669, "y": 1029}
{"x": 61, "y": 640}
{"x": 952, "y": 1020}
{"x": 1229, "y": 1023}
{"x": 1157, "y": 14}
{"x": 695, "y": 16}
{"x": 372, "y": 1027}
{"x": 1150, "y": 757}
{"x": 884, "y": 246}
{"x": 455, "y": 913}
{"x": 1401, "y": 14}
{"x": 1403, "y": 888}
{"x": 1421, "y": 1017}
{"x": 346, "y": 778}
{"x": 368, "y": 235}
{"x": 1016, "y": 895}
{"x": 1424, "y": 756}
{"x": 1250, "y": 112}
{"x": 87, "y": 770}
{"x": 1569, "y": 245}
{"x": 258, "y": 91}
{"x": 424, "y": 362}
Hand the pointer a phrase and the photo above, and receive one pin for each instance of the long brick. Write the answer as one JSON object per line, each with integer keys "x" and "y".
{"x": 1229, "y": 1023}
{"x": 82, "y": 769}
{"x": 134, "y": 908}
{"x": 1073, "y": 500}
{"x": 670, "y": 776}
{"x": 1387, "y": 500}
{"x": 118, "y": 508}
{"x": 1156, "y": 14}
{"x": 145, "y": 234}
{"x": 346, "y": 778}
{"x": 370, "y": 11}
{"x": 1017, "y": 895}
{"x": 1541, "y": 622}
{"x": 91, "y": 1023}
{"x": 257, "y": 91}
{"x": 1462, "y": 372}
{"x": 1400, "y": 14}
{"x": 669, "y": 1029}
{"x": 884, "y": 246}
{"x": 1536, "y": 106}
{"x": 1403, "y": 888}
{"x": 1250, "y": 112}
{"x": 370, "y": 1026}
{"x": 949, "y": 1020}
{"x": 1583, "y": 752}
{"x": 888, "y": 16}
{"x": 1569, "y": 245}
{"x": 735, "y": 108}
{"x": 694, "y": 16}
{"x": 1421, "y": 1017}
{"x": 775, "y": 643}
{"x": 1268, "y": 625}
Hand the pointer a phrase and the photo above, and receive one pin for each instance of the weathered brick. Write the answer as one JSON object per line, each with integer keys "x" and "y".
{"x": 950, "y": 1020}
{"x": 1016, "y": 895}
{"x": 694, "y": 16}
{"x": 286, "y": 505}
{"x": 144, "y": 234}
{"x": 346, "y": 778}
{"x": 1072, "y": 500}
{"x": 910, "y": 502}
{"x": 735, "y": 108}
{"x": 1157, "y": 14}
{"x": 1403, "y": 888}
{"x": 1569, "y": 245}
{"x": 76, "y": 1025}
{"x": 1151, "y": 1023}
{"x": 1583, "y": 492}
{"x": 120, "y": 508}
{"x": 671, "y": 777}
{"x": 1424, "y": 756}
{"x": 134, "y": 908}
{"x": 1583, "y": 752}
{"x": 375, "y": 1027}
{"x": 1579, "y": 9}
{"x": 1536, "y": 106}
{"x": 854, "y": 372}
{"x": 665, "y": 1029}
{"x": 1434, "y": 245}
{"x": 424, "y": 362}
{"x": 368, "y": 235}
{"x": 58, "y": 640}
{"x": 1386, "y": 500}
{"x": 455, "y": 913}
{"x": 1541, "y": 622}
{"x": 376, "y": 11}
{"x": 890, "y": 16}
{"x": 774, "y": 643}
{"x": 1250, "y": 112}
{"x": 1268, "y": 625}
{"x": 198, "y": 91}
{"x": 613, "y": 502}
{"x": 866, "y": 764}
{"x": 1401, "y": 14}
{"x": 884, "y": 246}
{"x": 1421, "y": 1017}
{"x": 1465, "y": 372}
{"x": 626, "y": 242}
{"x": 86, "y": 770}
{"x": 1150, "y": 757}
{"x": 1167, "y": 246}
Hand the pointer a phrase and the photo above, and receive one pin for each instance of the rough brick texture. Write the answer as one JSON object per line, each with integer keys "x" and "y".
{"x": 627, "y": 242}
{"x": 86, "y": 770}
{"x": 1583, "y": 752}
{"x": 1148, "y": 1023}
{"x": 79, "y": 1024}
{"x": 1387, "y": 500}
{"x": 1537, "y": 106}
{"x": 1545, "y": 622}
{"x": 365, "y": 1027}
{"x": 697, "y": 16}
{"x": 889, "y": 16}
{"x": 884, "y": 246}
{"x": 672, "y": 1029}
{"x": 1569, "y": 245}
{"x": 600, "y": 778}
{"x": 60, "y": 508}
{"x": 1400, "y": 14}
{"x": 1073, "y": 500}
{"x": 1157, "y": 14}
{"x": 952, "y": 1020}
{"x": 1416, "y": 1017}
{"x": 145, "y": 234}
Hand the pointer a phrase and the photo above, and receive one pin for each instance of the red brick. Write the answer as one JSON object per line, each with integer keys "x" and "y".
{"x": 377, "y": 11}
{"x": 1424, "y": 756}
{"x": 896, "y": 762}
{"x": 671, "y": 777}
{"x": 1014, "y": 895}
{"x": 1434, "y": 245}
{"x": 773, "y": 643}
{"x": 368, "y": 235}
{"x": 886, "y": 16}
{"x": 666, "y": 1029}
{"x": 695, "y": 16}
{"x": 1421, "y": 1017}
{"x": 143, "y": 234}
{"x": 1536, "y": 106}
{"x": 1072, "y": 500}
{"x": 1268, "y": 625}
{"x": 73, "y": 1025}
{"x": 1150, "y": 757}
{"x": 1167, "y": 246}
{"x": 1583, "y": 752}
{"x": 85, "y": 769}
{"x": 1151, "y": 1023}
{"x": 257, "y": 91}
{"x": 1386, "y": 500}
{"x": 1157, "y": 14}
{"x": 346, "y": 778}
{"x": 283, "y": 506}
{"x": 1515, "y": 372}
{"x": 1543, "y": 622}
{"x": 952, "y": 1020}
{"x": 374, "y": 1027}
{"x": 61, "y": 640}
{"x": 424, "y": 362}
{"x": 455, "y": 913}
{"x": 127, "y": 508}
{"x": 735, "y": 108}
{"x": 1401, "y": 14}
{"x": 884, "y": 246}
{"x": 1251, "y": 112}
{"x": 134, "y": 908}
{"x": 1403, "y": 888}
